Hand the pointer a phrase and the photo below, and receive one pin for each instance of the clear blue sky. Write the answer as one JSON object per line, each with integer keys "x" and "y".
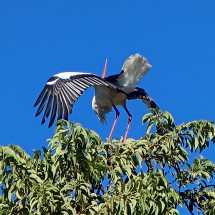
{"x": 42, "y": 38}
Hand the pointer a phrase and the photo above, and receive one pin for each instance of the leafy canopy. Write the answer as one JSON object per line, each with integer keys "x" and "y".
{"x": 79, "y": 174}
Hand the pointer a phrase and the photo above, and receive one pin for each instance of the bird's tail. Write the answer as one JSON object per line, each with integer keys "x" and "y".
{"x": 134, "y": 68}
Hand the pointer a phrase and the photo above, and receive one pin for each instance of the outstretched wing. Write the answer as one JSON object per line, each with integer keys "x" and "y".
{"x": 61, "y": 92}
{"x": 140, "y": 93}
{"x": 134, "y": 68}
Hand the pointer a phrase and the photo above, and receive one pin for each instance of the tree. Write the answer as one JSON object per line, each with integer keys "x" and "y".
{"x": 79, "y": 174}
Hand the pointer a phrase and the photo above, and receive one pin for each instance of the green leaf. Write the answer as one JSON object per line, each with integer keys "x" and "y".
{"x": 196, "y": 143}
{"x": 79, "y": 174}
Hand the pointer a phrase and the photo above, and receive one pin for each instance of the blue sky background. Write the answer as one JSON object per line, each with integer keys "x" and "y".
{"x": 42, "y": 38}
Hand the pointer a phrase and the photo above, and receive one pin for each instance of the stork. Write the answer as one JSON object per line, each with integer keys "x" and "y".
{"x": 63, "y": 89}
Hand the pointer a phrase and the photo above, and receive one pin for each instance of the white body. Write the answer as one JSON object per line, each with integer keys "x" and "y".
{"x": 134, "y": 68}
{"x": 104, "y": 100}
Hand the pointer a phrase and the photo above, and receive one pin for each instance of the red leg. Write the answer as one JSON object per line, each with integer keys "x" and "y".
{"x": 104, "y": 70}
{"x": 114, "y": 124}
{"x": 129, "y": 123}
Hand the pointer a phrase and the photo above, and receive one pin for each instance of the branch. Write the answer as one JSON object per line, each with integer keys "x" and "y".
{"x": 206, "y": 186}
{"x": 189, "y": 209}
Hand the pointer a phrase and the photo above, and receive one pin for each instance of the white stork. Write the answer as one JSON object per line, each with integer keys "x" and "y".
{"x": 63, "y": 89}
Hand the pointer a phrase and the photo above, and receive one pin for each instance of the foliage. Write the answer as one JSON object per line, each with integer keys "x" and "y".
{"x": 80, "y": 174}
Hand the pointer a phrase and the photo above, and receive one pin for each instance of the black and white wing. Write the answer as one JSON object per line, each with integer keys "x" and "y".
{"x": 140, "y": 93}
{"x": 62, "y": 90}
